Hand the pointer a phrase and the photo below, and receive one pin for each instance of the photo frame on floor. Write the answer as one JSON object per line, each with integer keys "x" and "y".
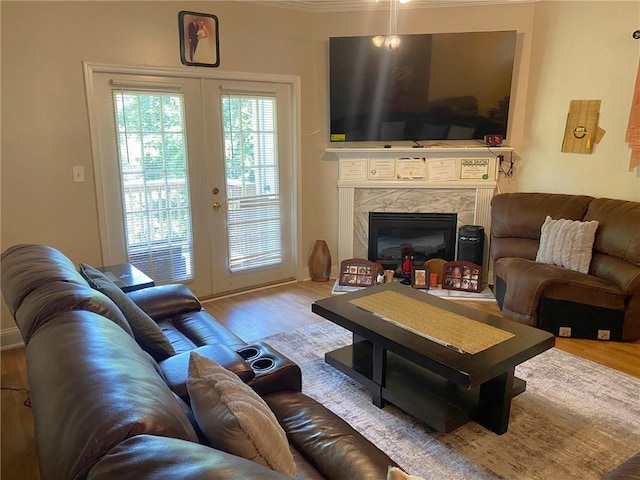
{"x": 199, "y": 39}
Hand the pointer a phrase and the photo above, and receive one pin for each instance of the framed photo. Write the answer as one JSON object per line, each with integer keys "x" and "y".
{"x": 420, "y": 277}
{"x": 199, "y": 39}
{"x": 358, "y": 272}
{"x": 464, "y": 276}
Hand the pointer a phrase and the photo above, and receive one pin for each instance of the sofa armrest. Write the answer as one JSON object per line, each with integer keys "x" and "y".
{"x": 175, "y": 369}
{"x": 280, "y": 374}
{"x": 161, "y": 458}
{"x": 625, "y": 275}
{"x": 326, "y": 441}
{"x": 527, "y": 281}
{"x": 629, "y": 470}
{"x": 165, "y": 300}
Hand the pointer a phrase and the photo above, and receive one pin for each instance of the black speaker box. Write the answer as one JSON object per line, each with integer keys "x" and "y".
{"x": 471, "y": 244}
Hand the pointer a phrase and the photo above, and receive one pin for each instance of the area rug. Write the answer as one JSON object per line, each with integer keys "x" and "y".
{"x": 576, "y": 420}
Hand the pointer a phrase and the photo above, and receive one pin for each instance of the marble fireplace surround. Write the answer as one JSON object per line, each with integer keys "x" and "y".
{"x": 470, "y": 199}
{"x": 410, "y": 200}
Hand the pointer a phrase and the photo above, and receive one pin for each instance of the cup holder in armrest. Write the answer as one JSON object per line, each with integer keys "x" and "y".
{"x": 262, "y": 364}
{"x": 252, "y": 355}
{"x": 249, "y": 353}
{"x": 274, "y": 372}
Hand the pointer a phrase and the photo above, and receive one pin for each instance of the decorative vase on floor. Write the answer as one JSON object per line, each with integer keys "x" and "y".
{"x": 320, "y": 262}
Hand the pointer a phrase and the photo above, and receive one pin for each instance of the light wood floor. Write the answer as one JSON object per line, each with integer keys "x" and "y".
{"x": 251, "y": 316}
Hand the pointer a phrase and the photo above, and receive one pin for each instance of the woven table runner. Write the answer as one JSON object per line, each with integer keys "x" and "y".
{"x": 441, "y": 326}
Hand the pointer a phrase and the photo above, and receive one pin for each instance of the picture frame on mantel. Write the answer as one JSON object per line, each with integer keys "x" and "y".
{"x": 199, "y": 39}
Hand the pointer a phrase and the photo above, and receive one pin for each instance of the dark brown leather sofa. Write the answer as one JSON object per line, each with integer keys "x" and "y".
{"x": 603, "y": 303}
{"x": 628, "y": 470}
{"x": 102, "y": 405}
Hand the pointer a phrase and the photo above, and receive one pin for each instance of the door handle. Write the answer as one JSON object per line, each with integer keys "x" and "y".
{"x": 216, "y": 206}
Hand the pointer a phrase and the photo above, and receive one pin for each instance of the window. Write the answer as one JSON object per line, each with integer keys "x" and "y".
{"x": 154, "y": 183}
{"x": 253, "y": 193}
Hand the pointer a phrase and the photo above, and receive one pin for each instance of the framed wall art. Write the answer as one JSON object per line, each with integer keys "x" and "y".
{"x": 199, "y": 44}
{"x": 466, "y": 276}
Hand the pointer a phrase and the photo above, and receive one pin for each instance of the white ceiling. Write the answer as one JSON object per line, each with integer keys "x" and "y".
{"x": 346, "y": 5}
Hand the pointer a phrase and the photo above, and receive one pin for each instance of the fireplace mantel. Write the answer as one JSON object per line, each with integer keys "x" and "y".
{"x": 409, "y": 151}
{"x": 446, "y": 186}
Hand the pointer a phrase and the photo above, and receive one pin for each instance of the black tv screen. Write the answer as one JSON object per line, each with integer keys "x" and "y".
{"x": 444, "y": 86}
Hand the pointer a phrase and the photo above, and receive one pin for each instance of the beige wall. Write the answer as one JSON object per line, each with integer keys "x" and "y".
{"x": 44, "y": 116}
{"x": 582, "y": 50}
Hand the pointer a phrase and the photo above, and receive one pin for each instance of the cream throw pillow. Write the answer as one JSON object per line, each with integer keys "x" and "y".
{"x": 234, "y": 418}
{"x": 567, "y": 243}
{"x": 395, "y": 473}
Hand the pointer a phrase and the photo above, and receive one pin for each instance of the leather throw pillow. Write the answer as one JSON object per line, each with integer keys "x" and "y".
{"x": 145, "y": 330}
{"x": 394, "y": 473}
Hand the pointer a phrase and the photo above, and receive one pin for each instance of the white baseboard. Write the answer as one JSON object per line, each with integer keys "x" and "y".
{"x": 306, "y": 276}
{"x": 10, "y": 338}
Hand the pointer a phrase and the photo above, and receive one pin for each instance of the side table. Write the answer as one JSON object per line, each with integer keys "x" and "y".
{"x": 127, "y": 277}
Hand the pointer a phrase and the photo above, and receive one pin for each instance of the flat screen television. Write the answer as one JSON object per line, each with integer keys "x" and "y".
{"x": 444, "y": 86}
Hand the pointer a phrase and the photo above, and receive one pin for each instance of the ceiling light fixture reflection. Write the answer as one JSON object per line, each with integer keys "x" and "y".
{"x": 391, "y": 41}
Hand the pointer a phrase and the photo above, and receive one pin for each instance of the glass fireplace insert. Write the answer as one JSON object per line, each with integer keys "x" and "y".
{"x": 422, "y": 235}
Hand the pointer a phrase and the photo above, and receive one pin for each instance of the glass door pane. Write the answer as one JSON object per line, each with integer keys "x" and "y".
{"x": 251, "y": 172}
{"x": 151, "y": 139}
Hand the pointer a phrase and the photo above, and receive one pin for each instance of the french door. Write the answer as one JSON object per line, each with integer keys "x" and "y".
{"x": 251, "y": 189}
{"x": 194, "y": 176}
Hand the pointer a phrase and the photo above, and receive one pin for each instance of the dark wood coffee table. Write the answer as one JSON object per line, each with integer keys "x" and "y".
{"x": 436, "y": 382}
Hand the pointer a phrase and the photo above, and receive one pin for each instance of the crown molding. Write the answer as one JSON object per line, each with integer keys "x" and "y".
{"x": 319, "y": 6}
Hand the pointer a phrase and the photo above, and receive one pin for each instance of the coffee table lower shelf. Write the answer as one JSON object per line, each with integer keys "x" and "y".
{"x": 425, "y": 395}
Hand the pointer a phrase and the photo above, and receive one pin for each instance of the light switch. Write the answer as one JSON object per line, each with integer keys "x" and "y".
{"x": 78, "y": 173}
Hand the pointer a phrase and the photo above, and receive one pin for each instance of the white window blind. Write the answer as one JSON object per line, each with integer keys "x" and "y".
{"x": 253, "y": 195}
{"x": 154, "y": 182}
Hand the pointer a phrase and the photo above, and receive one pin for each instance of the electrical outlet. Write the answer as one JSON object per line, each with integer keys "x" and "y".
{"x": 78, "y": 174}
{"x": 604, "y": 334}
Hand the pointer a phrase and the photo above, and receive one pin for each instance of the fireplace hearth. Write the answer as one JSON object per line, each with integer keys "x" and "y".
{"x": 421, "y": 235}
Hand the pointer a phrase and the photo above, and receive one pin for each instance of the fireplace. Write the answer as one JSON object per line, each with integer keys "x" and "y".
{"x": 364, "y": 188}
{"x": 422, "y": 235}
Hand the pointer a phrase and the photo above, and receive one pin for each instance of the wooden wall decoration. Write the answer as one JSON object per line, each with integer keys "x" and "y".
{"x": 633, "y": 129}
{"x": 582, "y": 130}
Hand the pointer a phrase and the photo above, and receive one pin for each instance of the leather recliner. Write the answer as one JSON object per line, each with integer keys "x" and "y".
{"x": 601, "y": 304}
